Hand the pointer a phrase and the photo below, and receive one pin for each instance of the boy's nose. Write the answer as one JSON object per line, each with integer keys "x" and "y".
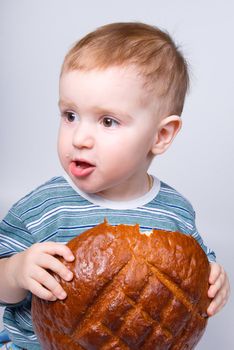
{"x": 83, "y": 137}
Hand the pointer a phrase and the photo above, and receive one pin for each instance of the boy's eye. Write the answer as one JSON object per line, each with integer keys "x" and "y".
{"x": 109, "y": 122}
{"x": 70, "y": 116}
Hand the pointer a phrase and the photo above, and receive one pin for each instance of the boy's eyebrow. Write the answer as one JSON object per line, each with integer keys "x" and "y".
{"x": 97, "y": 110}
{"x": 65, "y": 104}
{"x": 111, "y": 111}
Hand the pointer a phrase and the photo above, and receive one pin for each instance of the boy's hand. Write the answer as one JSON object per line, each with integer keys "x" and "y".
{"x": 30, "y": 270}
{"x": 219, "y": 289}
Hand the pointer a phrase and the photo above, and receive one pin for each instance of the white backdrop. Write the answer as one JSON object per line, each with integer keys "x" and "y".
{"x": 34, "y": 37}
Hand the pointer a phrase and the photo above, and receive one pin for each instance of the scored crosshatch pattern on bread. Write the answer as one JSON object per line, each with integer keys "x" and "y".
{"x": 130, "y": 291}
{"x": 121, "y": 311}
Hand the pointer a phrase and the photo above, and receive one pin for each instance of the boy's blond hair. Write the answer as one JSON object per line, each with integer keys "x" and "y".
{"x": 151, "y": 50}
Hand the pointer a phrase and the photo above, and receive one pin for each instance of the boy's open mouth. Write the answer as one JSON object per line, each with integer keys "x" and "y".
{"x": 82, "y": 164}
{"x": 80, "y": 168}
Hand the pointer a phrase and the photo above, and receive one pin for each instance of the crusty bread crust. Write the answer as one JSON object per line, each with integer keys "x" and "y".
{"x": 129, "y": 291}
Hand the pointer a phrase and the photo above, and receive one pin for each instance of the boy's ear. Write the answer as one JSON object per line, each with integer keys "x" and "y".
{"x": 167, "y": 131}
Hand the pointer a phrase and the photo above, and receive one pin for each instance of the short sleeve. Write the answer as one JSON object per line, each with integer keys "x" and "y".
{"x": 209, "y": 252}
{"x": 14, "y": 238}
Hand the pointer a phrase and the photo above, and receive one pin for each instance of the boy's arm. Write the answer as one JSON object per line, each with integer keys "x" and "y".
{"x": 9, "y": 293}
{"x": 219, "y": 289}
{"x": 24, "y": 264}
{"x": 27, "y": 271}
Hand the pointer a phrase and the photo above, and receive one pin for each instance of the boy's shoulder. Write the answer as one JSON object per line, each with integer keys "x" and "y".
{"x": 53, "y": 189}
{"x": 169, "y": 197}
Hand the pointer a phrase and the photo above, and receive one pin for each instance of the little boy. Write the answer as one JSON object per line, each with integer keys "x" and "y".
{"x": 122, "y": 91}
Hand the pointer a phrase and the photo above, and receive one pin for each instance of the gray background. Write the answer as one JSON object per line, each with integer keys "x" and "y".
{"x": 35, "y": 35}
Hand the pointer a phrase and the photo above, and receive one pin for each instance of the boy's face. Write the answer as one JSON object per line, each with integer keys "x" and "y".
{"x": 107, "y": 131}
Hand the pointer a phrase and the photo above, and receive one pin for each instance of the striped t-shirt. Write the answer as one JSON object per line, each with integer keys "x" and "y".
{"x": 58, "y": 211}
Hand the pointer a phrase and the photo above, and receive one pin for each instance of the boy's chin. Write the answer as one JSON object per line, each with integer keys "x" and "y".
{"x": 86, "y": 186}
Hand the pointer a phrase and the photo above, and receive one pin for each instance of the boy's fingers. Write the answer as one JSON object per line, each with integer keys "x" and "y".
{"x": 212, "y": 291}
{"x": 213, "y": 307}
{"x": 54, "y": 248}
{"x": 211, "y": 311}
{"x": 220, "y": 299}
{"x": 214, "y": 272}
{"x": 37, "y": 289}
{"x": 48, "y": 282}
{"x": 50, "y": 262}
{"x": 214, "y": 288}
{"x": 216, "y": 305}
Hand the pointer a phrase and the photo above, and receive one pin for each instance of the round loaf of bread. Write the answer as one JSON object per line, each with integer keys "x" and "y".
{"x": 130, "y": 291}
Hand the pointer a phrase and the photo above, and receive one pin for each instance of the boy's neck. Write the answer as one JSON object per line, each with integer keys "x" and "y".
{"x": 123, "y": 203}
{"x": 128, "y": 191}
